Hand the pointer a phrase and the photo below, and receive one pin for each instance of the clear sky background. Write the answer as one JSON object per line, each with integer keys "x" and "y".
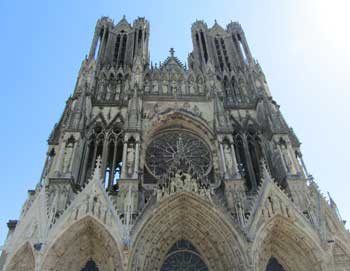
{"x": 303, "y": 47}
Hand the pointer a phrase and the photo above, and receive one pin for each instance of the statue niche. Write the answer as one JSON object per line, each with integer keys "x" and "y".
{"x": 67, "y": 156}
{"x": 130, "y": 157}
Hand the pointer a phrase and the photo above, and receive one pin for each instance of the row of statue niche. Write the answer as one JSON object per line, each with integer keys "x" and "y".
{"x": 236, "y": 92}
{"x": 174, "y": 87}
{"x": 112, "y": 90}
{"x": 183, "y": 182}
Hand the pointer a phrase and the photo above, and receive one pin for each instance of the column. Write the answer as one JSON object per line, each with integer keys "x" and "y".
{"x": 105, "y": 153}
{"x": 86, "y": 159}
{"x": 136, "y": 164}
{"x": 111, "y": 176}
{"x": 249, "y": 163}
{"x": 125, "y": 148}
{"x": 223, "y": 159}
{"x": 94, "y": 43}
{"x": 234, "y": 160}
{"x": 102, "y": 45}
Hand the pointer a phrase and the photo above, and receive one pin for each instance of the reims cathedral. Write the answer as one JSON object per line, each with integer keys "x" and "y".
{"x": 174, "y": 167}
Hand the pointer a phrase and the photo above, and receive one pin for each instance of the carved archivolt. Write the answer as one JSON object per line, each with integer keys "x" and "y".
{"x": 187, "y": 217}
{"x": 84, "y": 241}
{"x": 282, "y": 239}
{"x": 23, "y": 259}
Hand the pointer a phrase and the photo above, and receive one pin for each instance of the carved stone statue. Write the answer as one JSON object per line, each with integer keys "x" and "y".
{"x": 118, "y": 90}
{"x": 130, "y": 161}
{"x": 286, "y": 158}
{"x": 109, "y": 91}
{"x": 165, "y": 87}
{"x": 155, "y": 89}
{"x": 228, "y": 159}
{"x": 68, "y": 153}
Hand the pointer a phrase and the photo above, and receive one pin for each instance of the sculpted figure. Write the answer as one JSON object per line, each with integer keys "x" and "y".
{"x": 155, "y": 87}
{"x": 165, "y": 87}
{"x": 68, "y": 153}
{"x": 286, "y": 157}
{"x": 109, "y": 91}
{"x": 130, "y": 159}
{"x": 118, "y": 90}
{"x": 228, "y": 159}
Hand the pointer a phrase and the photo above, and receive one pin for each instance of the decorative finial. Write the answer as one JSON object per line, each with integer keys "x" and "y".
{"x": 124, "y": 17}
{"x": 172, "y": 51}
{"x": 215, "y": 21}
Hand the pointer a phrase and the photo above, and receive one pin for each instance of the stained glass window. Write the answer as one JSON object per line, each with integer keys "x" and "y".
{"x": 183, "y": 257}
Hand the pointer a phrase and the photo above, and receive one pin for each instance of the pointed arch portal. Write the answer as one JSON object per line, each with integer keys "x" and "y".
{"x": 85, "y": 246}
{"x": 202, "y": 236}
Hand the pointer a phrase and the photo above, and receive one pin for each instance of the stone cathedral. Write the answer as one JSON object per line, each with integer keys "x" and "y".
{"x": 174, "y": 167}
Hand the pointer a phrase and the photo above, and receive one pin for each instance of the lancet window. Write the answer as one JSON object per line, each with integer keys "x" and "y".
{"x": 202, "y": 47}
{"x": 238, "y": 43}
{"x": 205, "y": 52}
{"x": 106, "y": 143}
{"x": 221, "y": 53}
{"x": 120, "y": 49}
{"x": 248, "y": 151}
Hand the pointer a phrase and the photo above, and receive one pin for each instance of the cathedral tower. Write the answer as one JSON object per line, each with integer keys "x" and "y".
{"x": 168, "y": 167}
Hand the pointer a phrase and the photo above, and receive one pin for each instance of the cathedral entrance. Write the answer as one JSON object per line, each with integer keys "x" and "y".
{"x": 183, "y": 257}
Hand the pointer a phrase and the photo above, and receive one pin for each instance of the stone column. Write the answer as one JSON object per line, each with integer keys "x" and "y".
{"x": 249, "y": 163}
{"x": 125, "y": 149}
{"x": 94, "y": 43}
{"x": 111, "y": 176}
{"x": 86, "y": 158}
{"x": 223, "y": 159}
{"x": 235, "y": 164}
{"x": 105, "y": 153}
{"x": 136, "y": 164}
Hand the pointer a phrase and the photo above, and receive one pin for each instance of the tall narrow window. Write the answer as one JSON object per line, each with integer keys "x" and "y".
{"x": 139, "y": 40}
{"x": 98, "y": 45}
{"x": 199, "y": 46}
{"x": 241, "y": 47}
{"x": 218, "y": 52}
{"x": 121, "y": 58}
{"x": 135, "y": 38}
{"x": 204, "y": 47}
{"x": 242, "y": 161}
{"x": 116, "y": 49}
{"x": 225, "y": 54}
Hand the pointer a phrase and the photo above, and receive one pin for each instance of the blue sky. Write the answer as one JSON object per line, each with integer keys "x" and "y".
{"x": 302, "y": 46}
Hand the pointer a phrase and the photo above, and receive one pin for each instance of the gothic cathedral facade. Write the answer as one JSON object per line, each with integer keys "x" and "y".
{"x": 173, "y": 167}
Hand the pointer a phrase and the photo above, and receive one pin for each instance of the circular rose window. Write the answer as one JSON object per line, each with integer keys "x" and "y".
{"x": 178, "y": 148}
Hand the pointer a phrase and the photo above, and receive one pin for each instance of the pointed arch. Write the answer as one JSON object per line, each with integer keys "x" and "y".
{"x": 86, "y": 240}
{"x": 22, "y": 260}
{"x": 341, "y": 256}
{"x": 294, "y": 247}
{"x": 186, "y": 216}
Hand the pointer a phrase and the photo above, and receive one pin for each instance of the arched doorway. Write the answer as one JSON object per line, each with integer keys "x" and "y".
{"x": 207, "y": 235}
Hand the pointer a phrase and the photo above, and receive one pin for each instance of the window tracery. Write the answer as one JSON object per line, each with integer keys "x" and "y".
{"x": 171, "y": 147}
{"x": 106, "y": 143}
{"x": 183, "y": 257}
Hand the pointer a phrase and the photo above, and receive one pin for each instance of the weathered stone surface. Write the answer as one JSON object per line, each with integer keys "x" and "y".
{"x": 158, "y": 167}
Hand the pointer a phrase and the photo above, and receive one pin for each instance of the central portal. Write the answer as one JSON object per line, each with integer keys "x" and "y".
{"x": 183, "y": 257}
